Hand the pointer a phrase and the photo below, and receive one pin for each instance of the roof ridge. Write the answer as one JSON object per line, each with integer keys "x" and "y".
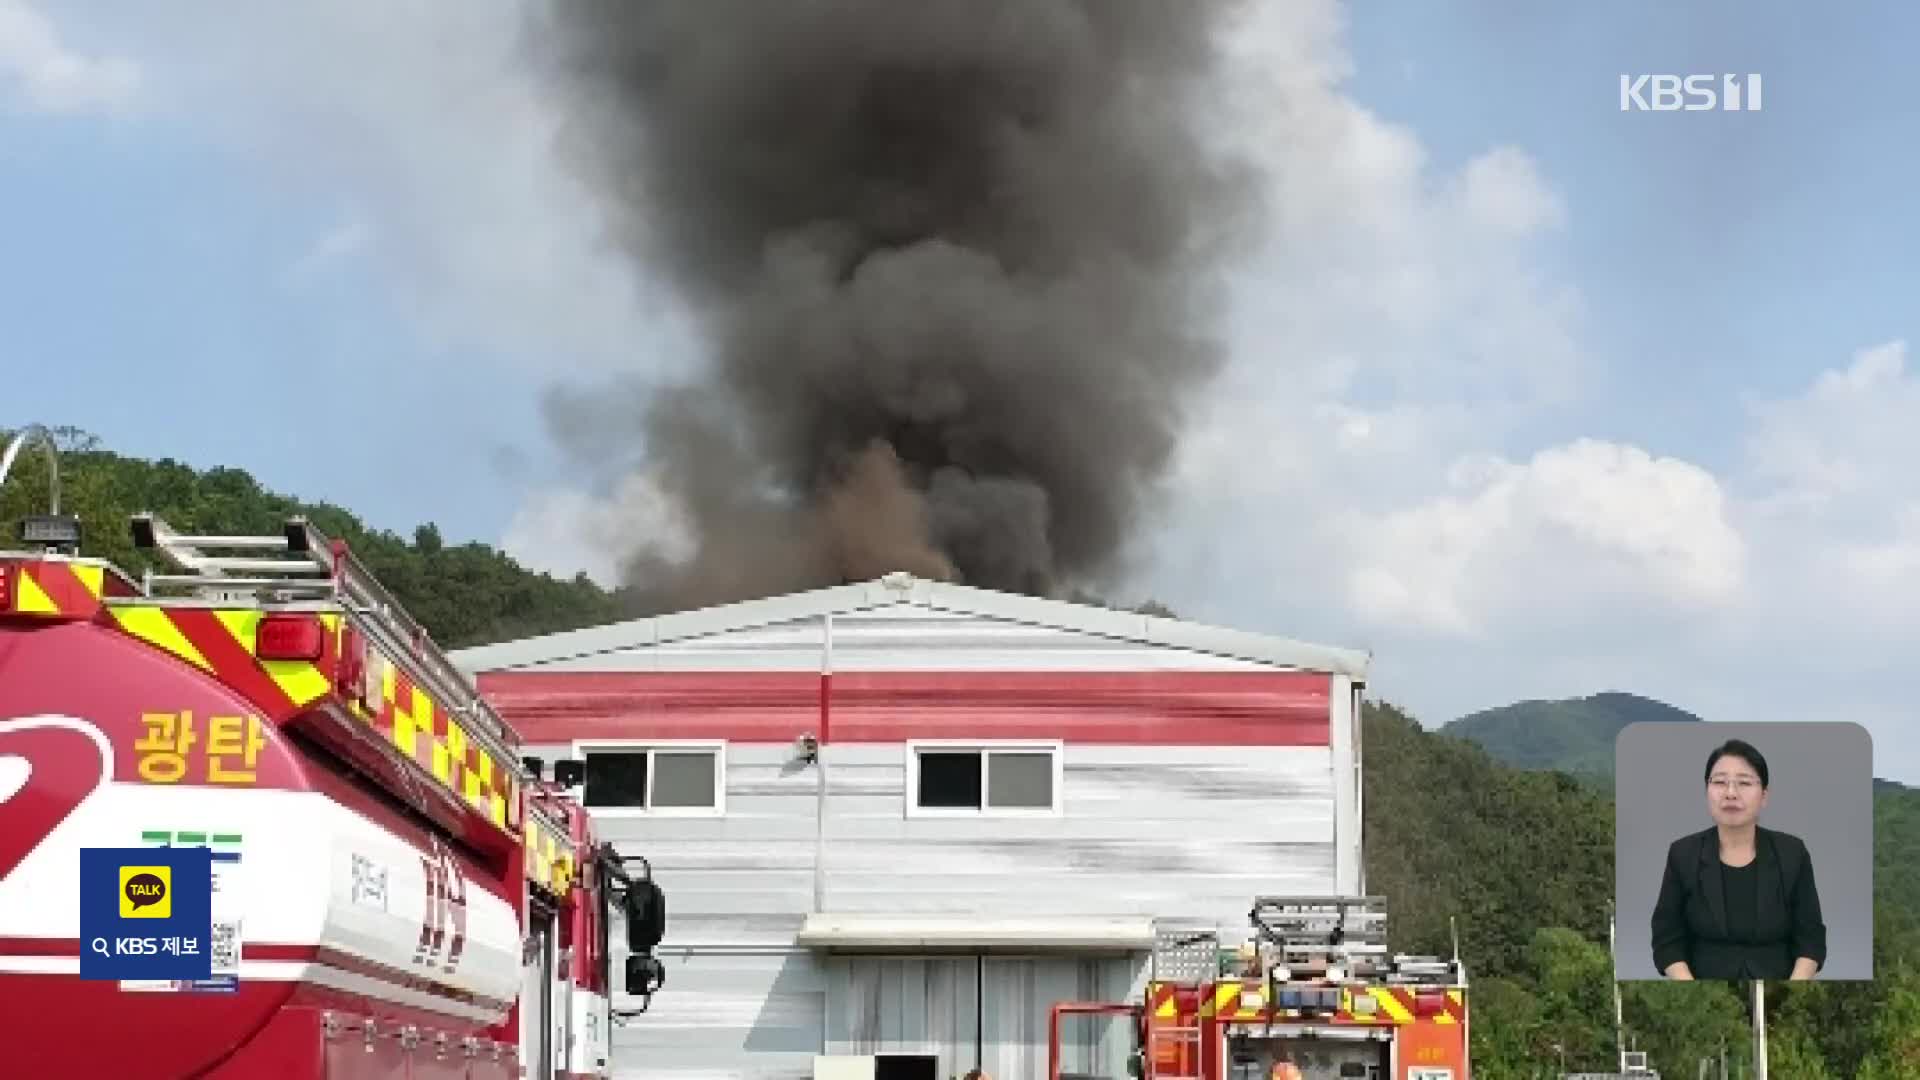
{"x": 904, "y": 588}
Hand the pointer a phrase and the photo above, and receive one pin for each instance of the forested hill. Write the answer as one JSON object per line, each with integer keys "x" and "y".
{"x": 1521, "y": 858}
{"x": 1573, "y": 735}
{"x": 463, "y": 594}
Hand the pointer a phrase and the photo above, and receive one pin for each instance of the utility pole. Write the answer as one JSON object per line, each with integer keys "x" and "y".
{"x": 1619, "y": 1028}
{"x": 1759, "y": 1029}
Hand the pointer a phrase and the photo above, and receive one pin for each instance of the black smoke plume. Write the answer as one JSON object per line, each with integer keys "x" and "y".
{"x": 953, "y": 261}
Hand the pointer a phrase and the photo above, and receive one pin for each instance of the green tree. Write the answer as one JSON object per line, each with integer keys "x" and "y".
{"x": 1796, "y": 1054}
{"x": 1575, "y": 980}
{"x": 1505, "y": 1029}
{"x": 1678, "y": 1023}
{"x": 1896, "y": 1028}
{"x": 462, "y": 594}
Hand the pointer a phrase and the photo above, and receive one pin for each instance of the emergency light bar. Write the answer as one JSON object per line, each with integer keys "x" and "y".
{"x": 290, "y": 635}
{"x": 51, "y": 530}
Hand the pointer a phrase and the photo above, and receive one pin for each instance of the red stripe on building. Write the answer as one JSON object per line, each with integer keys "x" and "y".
{"x": 1277, "y": 708}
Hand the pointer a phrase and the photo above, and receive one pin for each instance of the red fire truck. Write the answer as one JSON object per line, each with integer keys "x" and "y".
{"x": 1312, "y": 994}
{"x": 397, "y": 892}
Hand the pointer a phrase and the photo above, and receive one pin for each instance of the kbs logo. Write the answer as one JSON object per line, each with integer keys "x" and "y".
{"x": 443, "y": 926}
{"x": 1689, "y": 93}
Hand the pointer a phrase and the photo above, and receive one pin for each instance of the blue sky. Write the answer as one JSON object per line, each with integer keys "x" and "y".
{"x": 1576, "y": 351}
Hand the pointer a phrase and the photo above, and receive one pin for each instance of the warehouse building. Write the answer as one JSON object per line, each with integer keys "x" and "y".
{"x": 899, "y": 819}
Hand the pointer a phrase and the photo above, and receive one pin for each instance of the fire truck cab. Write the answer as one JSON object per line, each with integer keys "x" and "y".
{"x": 1311, "y": 994}
{"x": 397, "y": 892}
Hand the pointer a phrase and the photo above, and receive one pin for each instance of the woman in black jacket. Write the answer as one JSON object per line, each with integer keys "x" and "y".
{"x": 1737, "y": 901}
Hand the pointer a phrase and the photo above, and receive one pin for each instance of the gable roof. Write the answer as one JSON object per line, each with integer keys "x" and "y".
{"x": 905, "y": 589}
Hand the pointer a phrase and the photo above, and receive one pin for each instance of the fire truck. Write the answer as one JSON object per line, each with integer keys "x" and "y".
{"x": 1310, "y": 994}
{"x": 397, "y": 892}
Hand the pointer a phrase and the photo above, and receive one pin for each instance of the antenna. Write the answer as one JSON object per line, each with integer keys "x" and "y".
{"x": 37, "y": 433}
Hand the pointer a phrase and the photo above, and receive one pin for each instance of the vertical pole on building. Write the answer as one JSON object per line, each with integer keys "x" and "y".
{"x": 1619, "y": 1025}
{"x": 820, "y": 765}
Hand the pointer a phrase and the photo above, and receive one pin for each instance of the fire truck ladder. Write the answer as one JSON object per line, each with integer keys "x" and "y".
{"x": 303, "y": 564}
{"x": 1341, "y": 939}
{"x": 1321, "y": 937}
{"x": 1186, "y": 956}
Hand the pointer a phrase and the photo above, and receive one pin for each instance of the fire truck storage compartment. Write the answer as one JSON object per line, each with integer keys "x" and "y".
{"x": 536, "y": 991}
{"x": 1318, "y": 1057}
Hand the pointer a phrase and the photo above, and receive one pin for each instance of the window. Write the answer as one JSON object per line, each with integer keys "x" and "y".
{"x": 654, "y": 778}
{"x": 955, "y": 778}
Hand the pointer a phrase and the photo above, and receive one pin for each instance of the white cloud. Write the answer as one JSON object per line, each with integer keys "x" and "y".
{"x": 1850, "y": 434}
{"x": 1830, "y": 480}
{"x": 1381, "y": 272}
{"x": 1503, "y": 190}
{"x": 566, "y": 531}
{"x": 338, "y": 244}
{"x": 52, "y": 77}
{"x": 1395, "y": 325}
{"x": 427, "y": 119}
{"x": 1651, "y": 530}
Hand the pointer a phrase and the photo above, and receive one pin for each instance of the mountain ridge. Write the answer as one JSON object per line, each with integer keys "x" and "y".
{"x": 1574, "y": 735}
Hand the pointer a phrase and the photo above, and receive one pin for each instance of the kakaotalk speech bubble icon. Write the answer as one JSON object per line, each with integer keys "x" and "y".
{"x": 144, "y": 892}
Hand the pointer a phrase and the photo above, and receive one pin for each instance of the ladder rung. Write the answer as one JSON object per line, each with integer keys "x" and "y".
{"x": 182, "y": 540}
{"x": 209, "y": 581}
{"x": 285, "y": 566}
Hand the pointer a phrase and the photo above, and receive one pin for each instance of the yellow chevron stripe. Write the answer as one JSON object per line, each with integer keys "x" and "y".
{"x": 92, "y": 578}
{"x": 151, "y": 625}
{"x": 29, "y": 597}
{"x": 1391, "y": 1006}
{"x": 300, "y": 680}
{"x": 1228, "y": 999}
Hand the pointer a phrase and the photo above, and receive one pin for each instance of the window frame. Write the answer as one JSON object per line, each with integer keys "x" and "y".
{"x": 583, "y": 747}
{"x": 986, "y": 748}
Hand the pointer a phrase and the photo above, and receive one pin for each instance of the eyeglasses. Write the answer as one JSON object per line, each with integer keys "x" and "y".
{"x": 1738, "y": 783}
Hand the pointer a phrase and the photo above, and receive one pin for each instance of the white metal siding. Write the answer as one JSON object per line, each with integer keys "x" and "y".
{"x": 1192, "y": 831}
{"x": 752, "y": 1016}
{"x": 914, "y": 1005}
{"x": 1143, "y": 831}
